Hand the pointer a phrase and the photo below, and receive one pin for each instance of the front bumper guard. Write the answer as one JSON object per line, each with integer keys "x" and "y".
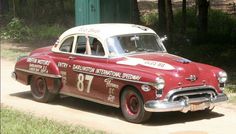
{"x": 184, "y": 105}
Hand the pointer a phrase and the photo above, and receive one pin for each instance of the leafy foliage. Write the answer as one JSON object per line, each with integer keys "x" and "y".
{"x": 149, "y": 19}
{"x": 221, "y": 26}
{"x": 45, "y": 32}
{"x": 16, "y": 30}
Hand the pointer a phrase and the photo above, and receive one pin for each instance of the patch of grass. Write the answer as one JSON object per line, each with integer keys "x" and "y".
{"x": 230, "y": 89}
{"x": 15, "y": 122}
{"x": 232, "y": 99}
{"x": 11, "y": 51}
{"x": 12, "y": 55}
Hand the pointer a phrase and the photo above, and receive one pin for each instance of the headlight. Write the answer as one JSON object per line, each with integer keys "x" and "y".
{"x": 222, "y": 77}
{"x": 160, "y": 83}
{"x": 20, "y": 57}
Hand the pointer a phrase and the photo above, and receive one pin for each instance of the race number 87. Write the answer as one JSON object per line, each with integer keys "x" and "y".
{"x": 81, "y": 82}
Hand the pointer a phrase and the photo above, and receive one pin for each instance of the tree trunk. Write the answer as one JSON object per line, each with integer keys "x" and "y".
{"x": 183, "y": 17}
{"x": 62, "y": 9}
{"x": 1, "y": 7}
{"x": 170, "y": 11}
{"x": 14, "y": 8}
{"x": 23, "y": 8}
{"x": 135, "y": 12}
{"x": 162, "y": 14}
{"x": 202, "y": 17}
{"x": 169, "y": 21}
{"x": 4, "y": 5}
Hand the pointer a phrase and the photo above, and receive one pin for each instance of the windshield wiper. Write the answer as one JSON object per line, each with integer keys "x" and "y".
{"x": 141, "y": 49}
{"x": 150, "y": 50}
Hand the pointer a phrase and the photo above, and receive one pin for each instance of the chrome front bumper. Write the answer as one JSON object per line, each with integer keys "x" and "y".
{"x": 184, "y": 105}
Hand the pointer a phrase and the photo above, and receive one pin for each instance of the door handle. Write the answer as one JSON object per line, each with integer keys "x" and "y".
{"x": 71, "y": 57}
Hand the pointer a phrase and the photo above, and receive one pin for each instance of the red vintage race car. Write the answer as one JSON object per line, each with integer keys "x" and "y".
{"x": 124, "y": 66}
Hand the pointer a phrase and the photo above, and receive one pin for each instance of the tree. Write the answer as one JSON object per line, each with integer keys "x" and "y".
{"x": 183, "y": 29}
{"x": 14, "y": 7}
{"x": 161, "y": 15}
{"x": 202, "y": 17}
{"x": 169, "y": 15}
{"x": 1, "y": 7}
{"x": 62, "y": 9}
{"x": 135, "y": 12}
{"x": 165, "y": 13}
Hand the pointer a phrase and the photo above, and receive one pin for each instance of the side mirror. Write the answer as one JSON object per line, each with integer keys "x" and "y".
{"x": 163, "y": 38}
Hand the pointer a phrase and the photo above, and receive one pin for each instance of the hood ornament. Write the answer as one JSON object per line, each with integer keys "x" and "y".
{"x": 191, "y": 78}
{"x": 183, "y": 60}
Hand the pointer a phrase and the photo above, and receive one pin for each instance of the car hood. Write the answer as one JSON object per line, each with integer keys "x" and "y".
{"x": 160, "y": 62}
{"x": 173, "y": 68}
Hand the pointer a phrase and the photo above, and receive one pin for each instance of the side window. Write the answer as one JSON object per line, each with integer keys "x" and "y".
{"x": 95, "y": 46}
{"x": 80, "y": 45}
{"x": 66, "y": 46}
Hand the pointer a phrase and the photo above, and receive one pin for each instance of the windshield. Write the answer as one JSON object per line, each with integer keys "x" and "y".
{"x": 136, "y": 43}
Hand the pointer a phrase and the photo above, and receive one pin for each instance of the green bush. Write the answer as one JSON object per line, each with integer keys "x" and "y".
{"x": 41, "y": 32}
{"x": 191, "y": 20}
{"x": 15, "y": 30}
{"x": 221, "y": 26}
{"x": 149, "y": 19}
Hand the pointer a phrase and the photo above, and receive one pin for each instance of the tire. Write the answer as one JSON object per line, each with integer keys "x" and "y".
{"x": 39, "y": 90}
{"x": 132, "y": 106}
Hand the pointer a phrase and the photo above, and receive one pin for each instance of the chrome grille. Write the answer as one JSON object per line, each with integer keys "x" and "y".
{"x": 192, "y": 94}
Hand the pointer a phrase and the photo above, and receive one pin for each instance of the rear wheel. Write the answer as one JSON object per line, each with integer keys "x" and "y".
{"x": 132, "y": 106}
{"x": 39, "y": 90}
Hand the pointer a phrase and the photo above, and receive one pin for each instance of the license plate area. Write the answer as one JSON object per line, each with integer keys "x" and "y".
{"x": 198, "y": 106}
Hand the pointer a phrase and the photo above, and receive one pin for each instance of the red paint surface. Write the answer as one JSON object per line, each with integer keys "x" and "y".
{"x": 206, "y": 75}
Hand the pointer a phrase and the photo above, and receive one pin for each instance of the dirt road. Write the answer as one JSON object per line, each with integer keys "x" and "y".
{"x": 79, "y": 112}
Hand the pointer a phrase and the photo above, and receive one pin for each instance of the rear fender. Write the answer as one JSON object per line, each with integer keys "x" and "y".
{"x": 43, "y": 66}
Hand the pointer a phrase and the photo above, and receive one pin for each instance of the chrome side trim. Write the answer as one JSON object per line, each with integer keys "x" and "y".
{"x": 38, "y": 73}
{"x": 13, "y": 75}
{"x": 90, "y": 99}
{"x": 134, "y": 81}
{"x": 173, "y": 91}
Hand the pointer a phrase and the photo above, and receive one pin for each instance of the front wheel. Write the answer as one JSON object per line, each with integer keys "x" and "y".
{"x": 39, "y": 90}
{"x": 132, "y": 106}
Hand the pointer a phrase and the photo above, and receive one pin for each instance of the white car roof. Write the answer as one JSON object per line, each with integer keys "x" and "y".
{"x": 106, "y": 30}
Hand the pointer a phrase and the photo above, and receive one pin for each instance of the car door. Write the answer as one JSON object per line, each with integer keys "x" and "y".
{"x": 61, "y": 58}
{"x": 82, "y": 77}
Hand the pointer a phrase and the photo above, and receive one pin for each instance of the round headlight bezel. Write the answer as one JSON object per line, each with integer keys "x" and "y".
{"x": 222, "y": 77}
{"x": 160, "y": 83}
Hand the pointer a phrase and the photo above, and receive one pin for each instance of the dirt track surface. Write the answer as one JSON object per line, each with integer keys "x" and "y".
{"x": 95, "y": 116}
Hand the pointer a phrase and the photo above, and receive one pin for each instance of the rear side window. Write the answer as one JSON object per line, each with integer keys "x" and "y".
{"x": 80, "y": 46}
{"x": 94, "y": 44}
{"x": 66, "y": 46}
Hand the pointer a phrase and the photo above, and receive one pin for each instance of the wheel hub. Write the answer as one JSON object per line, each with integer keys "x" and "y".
{"x": 133, "y": 104}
